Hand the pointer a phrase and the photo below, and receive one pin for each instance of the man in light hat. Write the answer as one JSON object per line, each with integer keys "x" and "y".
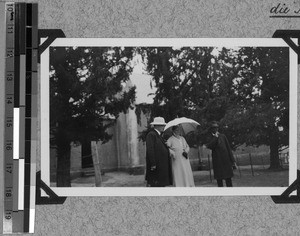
{"x": 222, "y": 157}
{"x": 158, "y": 163}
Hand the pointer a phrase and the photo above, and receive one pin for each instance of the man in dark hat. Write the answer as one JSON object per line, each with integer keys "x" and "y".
{"x": 222, "y": 157}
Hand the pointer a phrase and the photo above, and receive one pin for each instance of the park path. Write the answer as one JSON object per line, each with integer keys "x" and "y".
{"x": 243, "y": 177}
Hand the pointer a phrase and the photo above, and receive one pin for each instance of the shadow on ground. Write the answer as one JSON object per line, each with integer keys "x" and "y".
{"x": 245, "y": 176}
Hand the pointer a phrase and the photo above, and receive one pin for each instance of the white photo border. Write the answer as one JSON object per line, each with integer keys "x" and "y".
{"x": 167, "y": 42}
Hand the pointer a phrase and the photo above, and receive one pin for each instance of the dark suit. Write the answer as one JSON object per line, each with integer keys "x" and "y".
{"x": 222, "y": 157}
{"x": 157, "y": 154}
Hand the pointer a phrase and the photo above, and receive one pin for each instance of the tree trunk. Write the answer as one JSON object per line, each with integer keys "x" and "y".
{"x": 86, "y": 154}
{"x": 63, "y": 176}
{"x": 97, "y": 168}
{"x": 200, "y": 155}
{"x": 274, "y": 155}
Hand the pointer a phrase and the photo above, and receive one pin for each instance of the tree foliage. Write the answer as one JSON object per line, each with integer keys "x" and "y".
{"x": 261, "y": 115}
{"x": 87, "y": 93}
{"x": 246, "y": 89}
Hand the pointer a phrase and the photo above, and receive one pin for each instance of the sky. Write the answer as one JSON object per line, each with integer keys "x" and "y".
{"x": 141, "y": 80}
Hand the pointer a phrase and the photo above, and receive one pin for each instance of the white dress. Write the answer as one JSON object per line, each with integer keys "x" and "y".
{"x": 181, "y": 167}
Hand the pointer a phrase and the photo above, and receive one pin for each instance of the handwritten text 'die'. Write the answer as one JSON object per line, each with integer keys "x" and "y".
{"x": 283, "y": 9}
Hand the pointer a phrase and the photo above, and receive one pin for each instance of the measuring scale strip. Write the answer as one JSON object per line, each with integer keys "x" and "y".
{"x": 9, "y": 119}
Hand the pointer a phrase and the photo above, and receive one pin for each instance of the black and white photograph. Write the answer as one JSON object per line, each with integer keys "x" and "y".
{"x": 168, "y": 116}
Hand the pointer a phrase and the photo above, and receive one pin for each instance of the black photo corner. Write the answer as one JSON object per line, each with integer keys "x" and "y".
{"x": 50, "y": 35}
{"x": 285, "y": 197}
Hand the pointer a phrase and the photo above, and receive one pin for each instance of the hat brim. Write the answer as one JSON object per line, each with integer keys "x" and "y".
{"x": 154, "y": 123}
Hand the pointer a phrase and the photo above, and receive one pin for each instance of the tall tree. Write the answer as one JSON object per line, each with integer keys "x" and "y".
{"x": 87, "y": 93}
{"x": 260, "y": 115}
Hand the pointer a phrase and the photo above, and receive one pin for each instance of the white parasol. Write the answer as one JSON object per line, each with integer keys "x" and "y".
{"x": 187, "y": 125}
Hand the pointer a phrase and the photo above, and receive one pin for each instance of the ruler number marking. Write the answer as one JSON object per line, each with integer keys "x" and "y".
{"x": 9, "y": 77}
{"x": 9, "y": 146}
{"x": 9, "y": 100}
{"x": 9, "y": 53}
{"x": 8, "y": 214}
{"x": 10, "y": 29}
{"x": 10, "y": 7}
{"x": 8, "y": 192}
{"x": 9, "y": 123}
{"x": 9, "y": 168}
